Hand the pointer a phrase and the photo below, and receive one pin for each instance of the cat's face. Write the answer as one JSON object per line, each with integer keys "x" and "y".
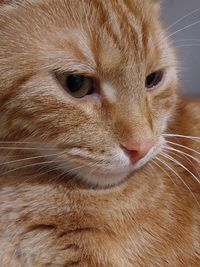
{"x": 87, "y": 79}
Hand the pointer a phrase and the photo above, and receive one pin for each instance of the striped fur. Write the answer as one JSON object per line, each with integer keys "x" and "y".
{"x": 79, "y": 208}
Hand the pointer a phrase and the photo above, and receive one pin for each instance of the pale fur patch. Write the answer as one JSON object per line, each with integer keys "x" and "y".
{"x": 109, "y": 92}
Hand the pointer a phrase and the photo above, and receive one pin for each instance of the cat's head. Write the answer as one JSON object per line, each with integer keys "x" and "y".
{"x": 94, "y": 81}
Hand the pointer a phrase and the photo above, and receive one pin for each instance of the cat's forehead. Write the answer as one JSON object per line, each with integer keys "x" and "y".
{"x": 87, "y": 34}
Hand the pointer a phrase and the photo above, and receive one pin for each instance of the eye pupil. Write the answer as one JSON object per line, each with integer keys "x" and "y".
{"x": 77, "y": 86}
{"x": 154, "y": 79}
{"x": 74, "y": 82}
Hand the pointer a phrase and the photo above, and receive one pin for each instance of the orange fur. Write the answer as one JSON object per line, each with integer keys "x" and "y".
{"x": 67, "y": 196}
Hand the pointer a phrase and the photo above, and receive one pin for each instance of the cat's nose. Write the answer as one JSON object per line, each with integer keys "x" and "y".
{"x": 137, "y": 150}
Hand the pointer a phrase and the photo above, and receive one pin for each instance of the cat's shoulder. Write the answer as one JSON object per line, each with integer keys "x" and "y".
{"x": 188, "y": 110}
{"x": 186, "y": 118}
{"x": 192, "y": 103}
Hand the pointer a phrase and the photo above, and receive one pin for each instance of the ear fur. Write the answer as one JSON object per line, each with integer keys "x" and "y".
{"x": 6, "y": 2}
{"x": 2, "y": 2}
{"x": 157, "y": 5}
{"x": 9, "y": 2}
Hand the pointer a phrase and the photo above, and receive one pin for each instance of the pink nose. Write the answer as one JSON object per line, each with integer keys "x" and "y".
{"x": 137, "y": 150}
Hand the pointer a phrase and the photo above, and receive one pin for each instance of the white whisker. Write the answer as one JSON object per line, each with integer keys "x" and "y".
{"x": 186, "y": 40}
{"x": 181, "y": 179}
{"x": 26, "y": 159}
{"x": 25, "y": 148}
{"x": 182, "y": 18}
{"x": 182, "y": 156}
{"x": 58, "y": 176}
{"x": 46, "y": 172}
{"x": 187, "y": 45}
{"x": 20, "y": 142}
{"x": 165, "y": 172}
{"x": 71, "y": 171}
{"x": 182, "y": 136}
{"x": 36, "y": 176}
{"x": 184, "y": 28}
{"x": 181, "y": 152}
{"x": 186, "y": 147}
{"x": 31, "y": 165}
{"x": 95, "y": 167}
{"x": 179, "y": 164}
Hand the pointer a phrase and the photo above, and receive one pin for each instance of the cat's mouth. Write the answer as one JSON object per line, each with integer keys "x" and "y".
{"x": 117, "y": 172}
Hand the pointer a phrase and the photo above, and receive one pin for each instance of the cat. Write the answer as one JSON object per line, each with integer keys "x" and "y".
{"x": 98, "y": 153}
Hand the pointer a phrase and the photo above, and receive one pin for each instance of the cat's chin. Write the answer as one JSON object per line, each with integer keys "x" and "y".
{"x": 106, "y": 180}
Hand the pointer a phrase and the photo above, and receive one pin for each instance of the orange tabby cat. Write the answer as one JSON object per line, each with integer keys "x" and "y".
{"x": 98, "y": 168}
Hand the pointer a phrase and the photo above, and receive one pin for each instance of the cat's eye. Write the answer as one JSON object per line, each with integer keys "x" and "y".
{"x": 77, "y": 86}
{"x": 154, "y": 79}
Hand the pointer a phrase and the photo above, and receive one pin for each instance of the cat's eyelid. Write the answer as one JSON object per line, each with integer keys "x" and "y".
{"x": 73, "y": 67}
{"x": 67, "y": 73}
{"x": 159, "y": 67}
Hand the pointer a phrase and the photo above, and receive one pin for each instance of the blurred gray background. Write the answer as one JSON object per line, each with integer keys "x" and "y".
{"x": 187, "y": 41}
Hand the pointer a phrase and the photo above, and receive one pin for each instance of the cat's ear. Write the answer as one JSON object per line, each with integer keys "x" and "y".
{"x": 157, "y": 5}
{"x": 2, "y": 2}
{"x": 6, "y": 2}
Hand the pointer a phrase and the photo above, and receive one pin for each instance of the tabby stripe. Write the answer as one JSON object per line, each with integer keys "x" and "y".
{"x": 104, "y": 18}
{"x": 13, "y": 90}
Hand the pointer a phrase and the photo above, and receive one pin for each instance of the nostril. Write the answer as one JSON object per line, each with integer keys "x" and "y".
{"x": 134, "y": 155}
{"x": 137, "y": 150}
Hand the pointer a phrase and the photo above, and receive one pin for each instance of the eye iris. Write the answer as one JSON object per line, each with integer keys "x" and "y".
{"x": 154, "y": 79}
{"x": 75, "y": 82}
{"x": 77, "y": 86}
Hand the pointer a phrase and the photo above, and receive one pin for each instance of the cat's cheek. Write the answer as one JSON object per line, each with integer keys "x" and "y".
{"x": 162, "y": 103}
{"x": 118, "y": 171}
{"x": 90, "y": 98}
{"x": 112, "y": 170}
